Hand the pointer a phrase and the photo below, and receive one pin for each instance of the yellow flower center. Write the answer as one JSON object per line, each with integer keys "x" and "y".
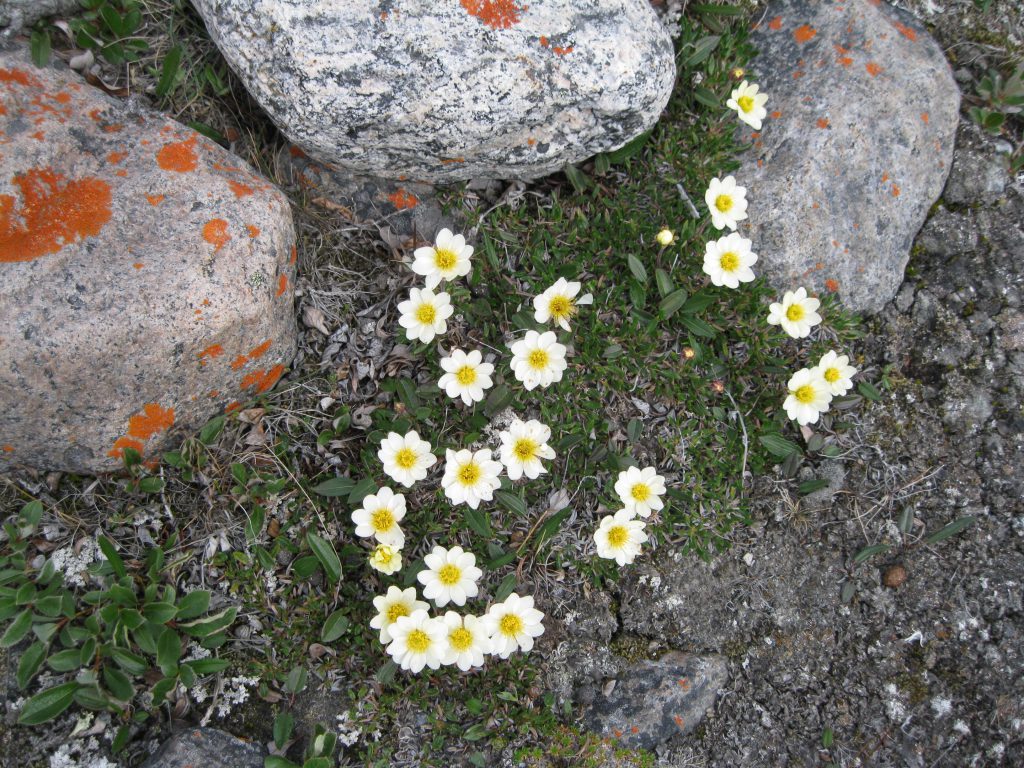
{"x": 444, "y": 259}
{"x": 640, "y": 492}
{"x": 510, "y": 625}
{"x": 729, "y": 261}
{"x": 461, "y": 639}
{"x": 831, "y": 375}
{"x": 383, "y": 555}
{"x": 418, "y": 641}
{"x": 469, "y": 474}
{"x": 382, "y": 520}
{"x": 561, "y": 307}
{"x": 426, "y": 314}
{"x": 804, "y": 394}
{"x": 723, "y": 203}
{"x": 618, "y": 535}
{"x": 795, "y": 312}
{"x": 538, "y": 359}
{"x": 746, "y": 103}
{"x": 466, "y": 375}
{"x": 397, "y": 611}
{"x": 449, "y": 574}
{"x": 405, "y": 458}
{"x": 525, "y": 449}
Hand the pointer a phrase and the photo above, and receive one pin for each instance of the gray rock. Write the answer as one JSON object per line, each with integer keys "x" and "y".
{"x": 205, "y": 748}
{"x": 978, "y": 175}
{"x": 946, "y": 234}
{"x": 147, "y": 275}
{"x": 15, "y": 15}
{"x": 862, "y": 115}
{"x": 452, "y": 91}
{"x": 965, "y": 407}
{"x": 651, "y": 701}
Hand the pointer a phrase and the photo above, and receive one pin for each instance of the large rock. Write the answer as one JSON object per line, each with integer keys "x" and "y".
{"x": 452, "y": 90}
{"x": 15, "y": 15}
{"x": 859, "y": 139}
{"x": 147, "y": 275}
{"x": 205, "y": 748}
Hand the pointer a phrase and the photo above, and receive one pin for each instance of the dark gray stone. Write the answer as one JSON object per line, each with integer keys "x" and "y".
{"x": 858, "y": 143}
{"x": 651, "y": 701}
{"x": 205, "y": 748}
{"x": 15, "y": 15}
{"x": 450, "y": 91}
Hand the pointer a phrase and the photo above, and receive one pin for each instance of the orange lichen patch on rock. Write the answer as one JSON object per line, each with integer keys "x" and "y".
{"x": 895, "y": 191}
{"x": 239, "y": 362}
{"x": 38, "y": 136}
{"x": 213, "y": 393}
{"x": 496, "y": 14}
{"x": 240, "y": 189}
{"x": 776, "y": 115}
{"x": 295, "y": 255}
{"x": 403, "y": 199}
{"x": 822, "y": 122}
{"x": 815, "y": 206}
{"x": 904, "y": 30}
{"x": 560, "y": 51}
{"x": 873, "y": 69}
{"x": 53, "y": 213}
{"x": 798, "y": 74}
{"x": 215, "y": 232}
{"x": 116, "y": 157}
{"x": 804, "y": 33}
{"x": 296, "y": 151}
{"x": 544, "y": 41}
{"x": 531, "y": 141}
{"x": 260, "y": 350}
{"x": 885, "y": 177}
{"x": 832, "y": 285}
{"x": 282, "y": 285}
{"x": 7, "y": 448}
{"x": 234, "y": 405}
{"x": 775, "y": 24}
{"x": 679, "y": 721}
{"x": 20, "y": 77}
{"x": 263, "y": 379}
{"x": 113, "y": 128}
{"x": 152, "y": 419}
{"x": 178, "y": 156}
{"x": 253, "y": 230}
{"x": 120, "y": 444}
{"x": 924, "y": 118}
{"x": 450, "y": 160}
{"x": 62, "y": 97}
{"x": 154, "y": 199}
{"x": 212, "y": 351}
{"x": 138, "y": 265}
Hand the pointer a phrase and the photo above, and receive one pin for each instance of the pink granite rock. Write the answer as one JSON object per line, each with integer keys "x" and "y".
{"x": 145, "y": 275}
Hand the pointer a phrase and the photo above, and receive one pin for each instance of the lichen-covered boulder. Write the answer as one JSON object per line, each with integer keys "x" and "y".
{"x": 446, "y": 90}
{"x": 146, "y": 275}
{"x": 857, "y": 145}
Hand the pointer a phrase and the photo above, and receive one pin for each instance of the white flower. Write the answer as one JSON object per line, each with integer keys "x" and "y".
{"x": 468, "y": 641}
{"x": 466, "y": 376}
{"x": 619, "y": 537}
{"x": 749, "y": 104}
{"x": 447, "y": 259}
{"x": 391, "y": 607}
{"x": 666, "y": 237}
{"x": 513, "y": 625}
{"x": 727, "y": 202}
{"x": 418, "y": 641}
{"x": 640, "y": 490}
{"x": 406, "y": 459}
{"x": 538, "y": 359}
{"x": 470, "y": 477}
{"x": 425, "y": 314}
{"x": 379, "y": 517}
{"x": 797, "y": 313}
{"x": 387, "y": 560}
{"x": 450, "y": 576}
{"x": 523, "y": 446}
{"x": 559, "y": 303}
{"x": 837, "y": 371}
{"x": 809, "y": 395}
{"x": 728, "y": 260}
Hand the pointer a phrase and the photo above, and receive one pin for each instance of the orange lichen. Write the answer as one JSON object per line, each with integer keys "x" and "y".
{"x": 234, "y": 405}
{"x": 296, "y": 151}
{"x": 7, "y": 448}
{"x": 822, "y": 122}
{"x": 402, "y": 199}
{"x": 832, "y": 285}
{"x": 873, "y": 69}
{"x": 282, "y": 285}
{"x": 120, "y": 444}
{"x": 496, "y": 14}
{"x": 804, "y": 33}
{"x": 449, "y": 160}
{"x": 38, "y": 136}
{"x": 924, "y": 118}
{"x": 213, "y": 393}
{"x": 212, "y": 351}
{"x": 263, "y": 379}
{"x": 19, "y": 77}
{"x": 239, "y": 362}
{"x": 112, "y": 128}
{"x": 531, "y": 141}
{"x": 895, "y": 191}
{"x": 260, "y": 350}
{"x": 155, "y": 199}
{"x": 776, "y": 115}
{"x": 62, "y": 97}
{"x": 240, "y": 189}
{"x": 885, "y": 177}
{"x": 179, "y": 156}
{"x": 295, "y": 255}
{"x": 215, "y": 232}
{"x": 560, "y": 51}
{"x": 544, "y": 41}
{"x": 152, "y": 419}
{"x": 904, "y": 30}
{"x": 679, "y": 720}
{"x": 53, "y": 213}
{"x": 775, "y": 24}
{"x": 253, "y": 230}
{"x": 116, "y": 157}
{"x": 138, "y": 265}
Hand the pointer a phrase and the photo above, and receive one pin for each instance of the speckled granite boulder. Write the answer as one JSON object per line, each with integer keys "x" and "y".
{"x": 450, "y": 90}
{"x": 652, "y": 701}
{"x": 15, "y": 15}
{"x": 205, "y": 748}
{"x": 146, "y": 272}
{"x": 858, "y": 143}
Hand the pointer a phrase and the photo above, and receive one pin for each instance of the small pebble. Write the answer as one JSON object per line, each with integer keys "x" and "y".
{"x": 894, "y": 576}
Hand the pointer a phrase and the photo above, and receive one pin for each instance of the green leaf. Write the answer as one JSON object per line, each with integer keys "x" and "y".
{"x": 336, "y": 486}
{"x": 698, "y": 303}
{"x": 274, "y": 761}
{"x": 121, "y": 739}
{"x": 283, "y": 725}
{"x": 18, "y": 629}
{"x": 168, "y": 652}
{"x": 128, "y": 661}
{"x": 324, "y": 551}
{"x": 30, "y": 662}
{"x": 362, "y": 489}
{"x": 151, "y": 485}
{"x": 296, "y": 680}
{"x": 65, "y": 661}
{"x": 206, "y": 666}
{"x": 511, "y": 502}
{"x": 169, "y": 71}
{"x": 665, "y": 284}
{"x": 958, "y": 525}
{"x": 579, "y": 180}
{"x": 208, "y": 625}
{"x": 475, "y": 732}
{"x": 810, "y": 486}
{"x": 407, "y": 393}
{"x": 160, "y": 613}
{"x": 778, "y": 446}
{"x": 47, "y": 704}
{"x": 212, "y": 430}
{"x": 702, "y": 49}
{"x": 209, "y": 132}
{"x": 498, "y": 400}
{"x": 867, "y": 552}
{"x": 672, "y": 303}
{"x": 193, "y": 604}
{"x": 334, "y": 627}
{"x": 706, "y": 97}
{"x": 714, "y": 9}
{"x": 630, "y": 149}
{"x": 387, "y": 672}
{"x": 506, "y": 588}
{"x": 162, "y": 688}
{"x": 40, "y": 45}
{"x": 906, "y": 520}
{"x": 110, "y": 552}
{"x": 478, "y": 521}
{"x": 698, "y": 327}
{"x": 637, "y": 268}
{"x": 117, "y": 683}
{"x": 254, "y": 523}
{"x": 869, "y": 391}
